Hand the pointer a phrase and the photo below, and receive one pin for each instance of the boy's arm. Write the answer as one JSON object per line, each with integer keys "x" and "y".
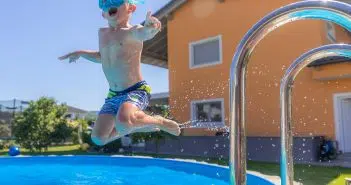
{"x": 93, "y": 56}
{"x": 151, "y": 28}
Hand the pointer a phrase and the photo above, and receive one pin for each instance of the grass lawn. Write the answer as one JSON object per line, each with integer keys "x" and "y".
{"x": 57, "y": 150}
{"x": 308, "y": 175}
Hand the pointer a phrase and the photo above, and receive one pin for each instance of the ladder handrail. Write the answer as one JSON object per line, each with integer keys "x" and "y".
{"x": 334, "y": 11}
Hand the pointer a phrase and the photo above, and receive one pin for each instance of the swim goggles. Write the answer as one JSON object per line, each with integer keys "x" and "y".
{"x": 105, "y": 5}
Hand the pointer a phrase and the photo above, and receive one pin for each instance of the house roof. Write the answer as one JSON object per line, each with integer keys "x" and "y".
{"x": 155, "y": 51}
{"x": 163, "y": 95}
{"x": 330, "y": 60}
{"x": 71, "y": 109}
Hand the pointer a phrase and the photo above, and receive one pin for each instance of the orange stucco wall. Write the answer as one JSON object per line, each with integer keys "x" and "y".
{"x": 332, "y": 72}
{"x": 342, "y": 35}
{"x": 198, "y": 19}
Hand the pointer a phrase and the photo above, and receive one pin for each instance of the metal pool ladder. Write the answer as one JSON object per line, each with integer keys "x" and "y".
{"x": 327, "y": 10}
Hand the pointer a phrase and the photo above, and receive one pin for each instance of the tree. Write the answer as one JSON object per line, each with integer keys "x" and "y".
{"x": 4, "y": 130}
{"x": 62, "y": 131}
{"x": 80, "y": 128}
{"x": 40, "y": 124}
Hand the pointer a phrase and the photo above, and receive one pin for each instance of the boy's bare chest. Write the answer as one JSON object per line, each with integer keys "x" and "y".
{"x": 110, "y": 38}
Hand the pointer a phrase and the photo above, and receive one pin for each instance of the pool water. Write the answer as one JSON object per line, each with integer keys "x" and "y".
{"x": 111, "y": 170}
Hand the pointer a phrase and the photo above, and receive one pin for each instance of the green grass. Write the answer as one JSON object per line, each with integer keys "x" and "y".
{"x": 308, "y": 175}
{"x": 56, "y": 150}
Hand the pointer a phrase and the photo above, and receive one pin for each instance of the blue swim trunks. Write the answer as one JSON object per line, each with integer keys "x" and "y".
{"x": 138, "y": 94}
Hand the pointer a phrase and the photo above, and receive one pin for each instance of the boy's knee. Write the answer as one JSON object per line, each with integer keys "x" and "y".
{"x": 127, "y": 114}
{"x": 123, "y": 118}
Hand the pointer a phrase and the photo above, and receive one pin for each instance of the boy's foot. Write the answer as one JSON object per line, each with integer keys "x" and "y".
{"x": 147, "y": 129}
{"x": 169, "y": 126}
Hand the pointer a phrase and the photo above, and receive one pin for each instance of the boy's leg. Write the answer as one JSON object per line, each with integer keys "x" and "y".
{"x": 134, "y": 119}
{"x": 144, "y": 129}
{"x": 103, "y": 128}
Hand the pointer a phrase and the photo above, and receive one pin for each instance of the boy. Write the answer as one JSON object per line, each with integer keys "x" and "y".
{"x": 120, "y": 47}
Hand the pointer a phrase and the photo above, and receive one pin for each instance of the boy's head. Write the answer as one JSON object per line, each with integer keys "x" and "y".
{"x": 117, "y": 10}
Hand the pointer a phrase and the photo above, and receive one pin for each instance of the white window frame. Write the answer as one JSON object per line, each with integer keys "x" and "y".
{"x": 331, "y": 35}
{"x": 191, "y": 52}
{"x": 338, "y": 97}
{"x": 214, "y": 124}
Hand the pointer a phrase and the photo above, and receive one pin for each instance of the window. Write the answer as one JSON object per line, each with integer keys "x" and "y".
{"x": 331, "y": 32}
{"x": 208, "y": 113}
{"x": 205, "y": 52}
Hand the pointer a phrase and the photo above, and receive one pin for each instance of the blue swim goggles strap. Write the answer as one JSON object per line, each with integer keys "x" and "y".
{"x": 105, "y": 5}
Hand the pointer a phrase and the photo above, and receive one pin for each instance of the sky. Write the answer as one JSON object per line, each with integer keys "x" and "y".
{"x": 33, "y": 34}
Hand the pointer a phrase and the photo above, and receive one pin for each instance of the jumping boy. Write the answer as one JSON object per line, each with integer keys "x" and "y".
{"x": 120, "y": 48}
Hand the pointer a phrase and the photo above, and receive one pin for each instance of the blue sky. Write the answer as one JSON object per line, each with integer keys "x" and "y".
{"x": 34, "y": 33}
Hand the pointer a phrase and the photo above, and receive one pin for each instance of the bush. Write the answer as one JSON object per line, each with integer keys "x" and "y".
{"x": 84, "y": 147}
{"x": 2, "y": 145}
{"x": 4, "y": 130}
{"x": 62, "y": 131}
{"x": 36, "y": 128}
{"x": 87, "y": 138}
{"x": 113, "y": 146}
{"x": 5, "y": 144}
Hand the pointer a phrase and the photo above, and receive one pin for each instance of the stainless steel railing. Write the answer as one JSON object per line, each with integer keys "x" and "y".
{"x": 334, "y": 11}
{"x": 285, "y": 99}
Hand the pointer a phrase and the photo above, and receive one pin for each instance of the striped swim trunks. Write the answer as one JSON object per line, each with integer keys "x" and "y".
{"x": 138, "y": 94}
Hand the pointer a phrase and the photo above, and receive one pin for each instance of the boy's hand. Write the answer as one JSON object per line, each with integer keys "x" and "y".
{"x": 73, "y": 57}
{"x": 152, "y": 22}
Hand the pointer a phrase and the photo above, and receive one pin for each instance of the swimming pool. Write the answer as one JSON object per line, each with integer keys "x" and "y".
{"x": 108, "y": 170}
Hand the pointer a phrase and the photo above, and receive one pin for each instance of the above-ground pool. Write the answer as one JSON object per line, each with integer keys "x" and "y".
{"x": 104, "y": 170}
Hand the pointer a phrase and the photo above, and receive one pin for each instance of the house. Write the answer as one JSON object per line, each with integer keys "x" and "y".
{"x": 7, "y": 110}
{"x": 159, "y": 99}
{"x": 196, "y": 45}
{"x": 13, "y": 105}
{"x": 74, "y": 113}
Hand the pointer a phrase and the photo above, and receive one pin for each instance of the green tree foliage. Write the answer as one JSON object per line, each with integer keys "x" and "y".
{"x": 4, "y": 130}
{"x": 41, "y": 124}
{"x": 80, "y": 129}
